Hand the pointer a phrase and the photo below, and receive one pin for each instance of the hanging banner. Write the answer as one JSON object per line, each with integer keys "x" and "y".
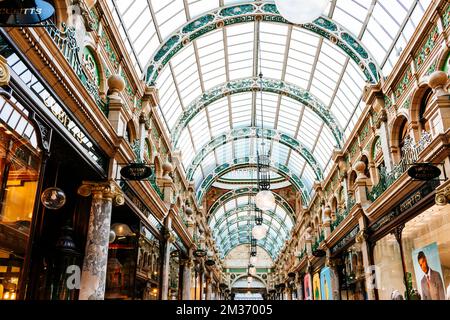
{"x": 24, "y": 13}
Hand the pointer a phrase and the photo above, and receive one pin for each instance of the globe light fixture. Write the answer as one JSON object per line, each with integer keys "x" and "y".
{"x": 265, "y": 200}
{"x": 251, "y": 270}
{"x": 259, "y": 232}
{"x": 53, "y": 198}
{"x": 249, "y": 279}
{"x": 301, "y": 11}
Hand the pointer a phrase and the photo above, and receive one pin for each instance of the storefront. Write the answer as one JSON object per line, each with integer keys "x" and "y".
{"x": 411, "y": 248}
{"x": 135, "y": 256}
{"x": 43, "y": 220}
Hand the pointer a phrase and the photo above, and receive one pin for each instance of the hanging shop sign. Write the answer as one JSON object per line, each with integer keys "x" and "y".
{"x": 424, "y": 171}
{"x": 24, "y": 13}
{"x": 136, "y": 171}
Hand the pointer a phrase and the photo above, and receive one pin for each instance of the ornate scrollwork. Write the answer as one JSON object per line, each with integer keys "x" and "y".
{"x": 443, "y": 196}
{"x": 5, "y": 75}
{"x": 361, "y": 236}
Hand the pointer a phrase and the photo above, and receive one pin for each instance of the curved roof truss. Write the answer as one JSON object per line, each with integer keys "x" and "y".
{"x": 248, "y": 191}
{"x": 250, "y": 162}
{"x": 254, "y": 84}
{"x": 245, "y": 133}
{"x": 249, "y": 12}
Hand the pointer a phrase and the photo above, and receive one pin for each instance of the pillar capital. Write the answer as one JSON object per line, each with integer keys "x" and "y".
{"x": 5, "y": 75}
{"x": 107, "y": 190}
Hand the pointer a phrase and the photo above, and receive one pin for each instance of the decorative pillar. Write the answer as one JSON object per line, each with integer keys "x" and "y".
{"x": 438, "y": 112}
{"x": 166, "y": 183}
{"x": 208, "y": 288}
{"x": 168, "y": 240}
{"x": 308, "y": 241}
{"x": 93, "y": 278}
{"x": 327, "y": 221}
{"x": 361, "y": 242}
{"x": 117, "y": 114}
{"x": 360, "y": 184}
{"x": 299, "y": 287}
{"x": 187, "y": 266}
{"x": 383, "y": 132}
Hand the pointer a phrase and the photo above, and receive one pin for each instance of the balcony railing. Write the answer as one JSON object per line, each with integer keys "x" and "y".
{"x": 410, "y": 155}
{"x": 340, "y": 216}
{"x": 66, "y": 41}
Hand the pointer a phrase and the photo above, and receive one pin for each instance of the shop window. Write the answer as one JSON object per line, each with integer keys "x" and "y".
{"x": 122, "y": 258}
{"x": 147, "y": 274}
{"x": 174, "y": 272}
{"x": 426, "y": 247}
{"x": 351, "y": 274}
{"x": 388, "y": 267}
{"x": 19, "y": 172}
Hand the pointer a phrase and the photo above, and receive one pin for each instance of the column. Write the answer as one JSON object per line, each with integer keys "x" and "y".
{"x": 187, "y": 266}
{"x": 208, "y": 288}
{"x": 168, "y": 239}
{"x": 439, "y": 109}
{"x": 383, "y": 132}
{"x": 93, "y": 277}
{"x": 361, "y": 241}
{"x": 299, "y": 289}
{"x": 360, "y": 184}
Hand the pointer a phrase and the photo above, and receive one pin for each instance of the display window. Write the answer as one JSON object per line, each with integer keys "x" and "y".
{"x": 426, "y": 247}
{"x": 416, "y": 264}
{"x": 20, "y": 160}
{"x": 122, "y": 257}
{"x": 174, "y": 273}
{"x": 351, "y": 275}
{"x": 148, "y": 266}
{"x": 388, "y": 264}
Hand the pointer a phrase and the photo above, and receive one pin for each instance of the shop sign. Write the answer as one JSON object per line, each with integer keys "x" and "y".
{"x": 346, "y": 240}
{"x": 410, "y": 202}
{"x": 424, "y": 171}
{"x": 24, "y": 13}
{"x": 136, "y": 171}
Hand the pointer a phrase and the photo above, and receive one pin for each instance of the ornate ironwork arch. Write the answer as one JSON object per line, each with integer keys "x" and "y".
{"x": 244, "y": 208}
{"x": 249, "y": 162}
{"x": 246, "y": 133}
{"x": 249, "y": 12}
{"x": 252, "y": 84}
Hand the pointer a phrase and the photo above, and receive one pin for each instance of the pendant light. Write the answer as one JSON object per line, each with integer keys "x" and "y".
{"x": 264, "y": 199}
{"x": 53, "y": 198}
{"x": 301, "y": 11}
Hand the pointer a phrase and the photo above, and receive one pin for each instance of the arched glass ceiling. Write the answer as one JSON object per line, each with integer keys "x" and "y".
{"x": 232, "y": 222}
{"x": 247, "y": 148}
{"x": 289, "y": 53}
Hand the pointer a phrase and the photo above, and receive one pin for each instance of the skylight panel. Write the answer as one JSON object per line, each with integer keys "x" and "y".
{"x": 200, "y": 130}
{"x": 351, "y": 14}
{"x": 169, "y": 16}
{"x": 198, "y": 7}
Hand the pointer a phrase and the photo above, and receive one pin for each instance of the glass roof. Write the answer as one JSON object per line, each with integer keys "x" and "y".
{"x": 232, "y": 223}
{"x": 289, "y": 53}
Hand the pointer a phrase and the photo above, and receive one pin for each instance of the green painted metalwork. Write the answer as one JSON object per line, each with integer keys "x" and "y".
{"x": 241, "y": 236}
{"x": 247, "y": 191}
{"x": 250, "y": 162}
{"x": 247, "y": 133}
{"x": 66, "y": 42}
{"x": 251, "y": 84}
{"x": 248, "y": 12}
{"x": 249, "y": 207}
